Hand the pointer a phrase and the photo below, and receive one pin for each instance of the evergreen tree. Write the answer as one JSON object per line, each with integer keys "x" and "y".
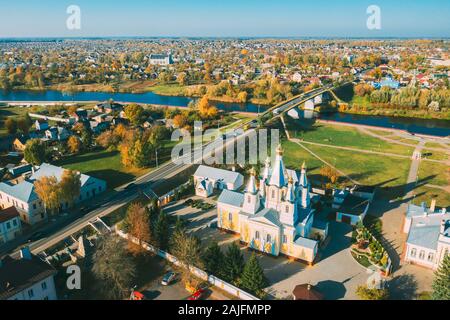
{"x": 441, "y": 283}
{"x": 214, "y": 259}
{"x": 161, "y": 232}
{"x": 233, "y": 264}
{"x": 253, "y": 279}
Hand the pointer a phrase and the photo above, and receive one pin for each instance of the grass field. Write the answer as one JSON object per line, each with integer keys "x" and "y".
{"x": 105, "y": 165}
{"x": 435, "y": 155}
{"x": 439, "y": 173}
{"x": 425, "y": 194}
{"x": 15, "y": 112}
{"x": 346, "y": 137}
{"x": 364, "y": 168}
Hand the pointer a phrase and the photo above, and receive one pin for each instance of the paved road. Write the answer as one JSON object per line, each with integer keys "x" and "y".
{"x": 63, "y": 228}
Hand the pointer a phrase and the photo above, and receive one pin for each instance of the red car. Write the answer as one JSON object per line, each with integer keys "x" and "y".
{"x": 197, "y": 295}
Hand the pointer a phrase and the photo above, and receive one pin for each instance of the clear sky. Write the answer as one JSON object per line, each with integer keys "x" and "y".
{"x": 222, "y": 18}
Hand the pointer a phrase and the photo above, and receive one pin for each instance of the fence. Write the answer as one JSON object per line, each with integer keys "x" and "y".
{"x": 168, "y": 197}
{"x": 56, "y": 119}
{"x": 241, "y": 294}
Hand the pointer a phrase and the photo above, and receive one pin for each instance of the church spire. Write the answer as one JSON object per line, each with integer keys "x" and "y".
{"x": 303, "y": 178}
{"x": 277, "y": 177}
{"x": 290, "y": 196}
{"x": 251, "y": 186}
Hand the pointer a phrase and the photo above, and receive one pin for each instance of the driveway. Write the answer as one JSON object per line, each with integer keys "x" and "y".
{"x": 336, "y": 274}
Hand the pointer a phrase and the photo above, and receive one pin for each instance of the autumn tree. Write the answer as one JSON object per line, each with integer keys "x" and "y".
{"x": 179, "y": 121}
{"x": 205, "y": 110}
{"x": 134, "y": 113}
{"x": 35, "y": 151}
{"x": 11, "y": 125}
{"x": 74, "y": 144}
{"x": 70, "y": 186}
{"x": 113, "y": 267}
{"x": 138, "y": 225}
{"x": 329, "y": 173}
{"x": 48, "y": 191}
{"x": 187, "y": 249}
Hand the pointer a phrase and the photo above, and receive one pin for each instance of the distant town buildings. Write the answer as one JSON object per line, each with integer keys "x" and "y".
{"x": 160, "y": 59}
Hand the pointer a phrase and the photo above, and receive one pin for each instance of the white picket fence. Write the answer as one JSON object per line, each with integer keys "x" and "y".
{"x": 241, "y": 294}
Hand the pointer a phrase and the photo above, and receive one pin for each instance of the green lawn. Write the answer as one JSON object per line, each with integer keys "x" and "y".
{"x": 425, "y": 194}
{"x": 435, "y": 155}
{"x": 434, "y": 173}
{"x": 364, "y": 168}
{"x": 168, "y": 89}
{"x": 367, "y": 168}
{"x": 435, "y": 145}
{"x": 105, "y": 165}
{"x": 346, "y": 137}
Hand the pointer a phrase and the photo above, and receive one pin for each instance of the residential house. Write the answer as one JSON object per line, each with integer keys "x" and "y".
{"x": 109, "y": 107}
{"x": 41, "y": 125}
{"x": 428, "y": 232}
{"x": 10, "y": 225}
{"x": 23, "y": 196}
{"x": 57, "y": 134}
{"x": 26, "y": 278}
{"x": 20, "y": 142}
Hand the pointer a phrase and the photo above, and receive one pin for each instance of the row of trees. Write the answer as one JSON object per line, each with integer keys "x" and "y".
{"x": 406, "y": 97}
{"x": 153, "y": 226}
{"x": 22, "y": 125}
{"x": 53, "y": 193}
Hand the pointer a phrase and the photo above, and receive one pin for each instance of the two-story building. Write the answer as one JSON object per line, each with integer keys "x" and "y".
{"x": 23, "y": 196}
{"x": 10, "y": 225}
{"x": 428, "y": 232}
{"x": 26, "y": 278}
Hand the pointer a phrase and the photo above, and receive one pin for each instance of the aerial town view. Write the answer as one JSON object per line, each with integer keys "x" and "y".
{"x": 233, "y": 151}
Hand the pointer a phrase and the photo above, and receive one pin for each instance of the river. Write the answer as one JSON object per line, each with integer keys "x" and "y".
{"x": 417, "y": 126}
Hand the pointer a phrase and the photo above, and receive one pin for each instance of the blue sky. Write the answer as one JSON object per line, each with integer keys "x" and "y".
{"x": 293, "y": 18}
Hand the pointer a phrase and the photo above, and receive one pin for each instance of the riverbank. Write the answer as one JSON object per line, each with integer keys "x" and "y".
{"x": 140, "y": 87}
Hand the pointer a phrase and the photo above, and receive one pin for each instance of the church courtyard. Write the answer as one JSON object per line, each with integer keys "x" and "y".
{"x": 336, "y": 273}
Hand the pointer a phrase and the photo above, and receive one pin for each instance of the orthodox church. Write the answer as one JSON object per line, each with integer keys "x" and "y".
{"x": 275, "y": 217}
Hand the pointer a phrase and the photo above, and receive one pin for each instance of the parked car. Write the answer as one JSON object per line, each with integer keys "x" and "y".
{"x": 168, "y": 278}
{"x": 36, "y": 236}
{"x": 197, "y": 295}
